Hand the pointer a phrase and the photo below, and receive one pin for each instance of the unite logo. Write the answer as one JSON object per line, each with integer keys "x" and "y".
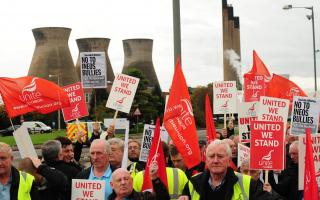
{"x": 294, "y": 91}
{"x": 252, "y": 110}
{"x": 29, "y": 93}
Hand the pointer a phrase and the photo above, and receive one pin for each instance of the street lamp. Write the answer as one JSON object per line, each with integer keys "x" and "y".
{"x": 310, "y": 17}
{"x": 59, "y": 116}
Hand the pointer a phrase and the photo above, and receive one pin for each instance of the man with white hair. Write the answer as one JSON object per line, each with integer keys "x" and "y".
{"x": 219, "y": 181}
{"x": 14, "y": 184}
{"x": 122, "y": 185}
{"x": 101, "y": 168}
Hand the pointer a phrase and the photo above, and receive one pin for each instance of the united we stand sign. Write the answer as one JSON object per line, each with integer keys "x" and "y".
{"x": 78, "y": 107}
{"x": 122, "y": 92}
{"x": 267, "y": 145}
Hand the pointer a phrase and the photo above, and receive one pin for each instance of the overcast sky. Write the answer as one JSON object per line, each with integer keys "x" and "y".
{"x": 282, "y": 38}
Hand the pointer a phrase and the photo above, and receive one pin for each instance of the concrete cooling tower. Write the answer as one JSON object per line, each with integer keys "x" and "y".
{"x": 52, "y": 55}
{"x": 138, "y": 54}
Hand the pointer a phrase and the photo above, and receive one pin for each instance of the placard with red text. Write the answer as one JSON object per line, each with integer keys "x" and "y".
{"x": 267, "y": 145}
{"x": 224, "y": 97}
{"x": 87, "y": 189}
{"x": 122, "y": 92}
{"x": 78, "y": 106}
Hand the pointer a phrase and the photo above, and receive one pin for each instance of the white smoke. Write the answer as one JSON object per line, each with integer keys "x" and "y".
{"x": 234, "y": 61}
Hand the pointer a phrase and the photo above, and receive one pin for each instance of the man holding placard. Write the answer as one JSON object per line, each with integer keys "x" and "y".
{"x": 101, "y": 168}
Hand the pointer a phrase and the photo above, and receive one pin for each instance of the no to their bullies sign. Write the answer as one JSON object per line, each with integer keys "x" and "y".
{"x": 224, "y": 97}
{"x": 122, "y": 93}
{"x": 148, "y": 133}
{"x": 305, "y": 114}
{"x": 267, "y": 145}
{"x": 78, "y": 107}
{"x": 93, "y": 69}
{"x": 87, "y": 189}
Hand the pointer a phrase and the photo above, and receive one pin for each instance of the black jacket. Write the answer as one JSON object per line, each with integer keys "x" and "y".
{"x": 55, "y": 185}
{"x": 288, "y": 186}
{"x": 160, "y": 193}
{"x": 201, "y": 185}
{"x": 15, "y": 180}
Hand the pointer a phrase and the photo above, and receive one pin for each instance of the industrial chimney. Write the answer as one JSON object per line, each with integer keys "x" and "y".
{"x": 52, "y": 56}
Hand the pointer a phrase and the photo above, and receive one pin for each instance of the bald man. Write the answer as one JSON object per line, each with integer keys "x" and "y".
{"x": 122, "y": 185}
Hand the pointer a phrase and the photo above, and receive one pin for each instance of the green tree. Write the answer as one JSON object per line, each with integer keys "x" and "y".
{"x": 198, "y": 98}
{"x": 149, "y": 101}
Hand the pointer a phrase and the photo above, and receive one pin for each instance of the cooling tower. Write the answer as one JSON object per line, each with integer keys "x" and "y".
{"x": 138, "y": 54}
{"x": 95, "y": 45}
{"x": 52, "y": 55}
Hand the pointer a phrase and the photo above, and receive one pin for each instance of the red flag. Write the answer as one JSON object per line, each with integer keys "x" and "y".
{"x": 27, "y": 94}
{"x": 255, "y": 80}
{"x": 211, "y": 129}
{"x": 258, "y": 67}
{"x": 155, "y": 154}
{"x": 179, "y": 121}
{"x": 283, "y": 88}
{"x": 310, "y": 182}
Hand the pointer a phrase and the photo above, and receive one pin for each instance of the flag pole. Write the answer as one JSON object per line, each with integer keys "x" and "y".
{"x": 12, "y": 125}
{"x": 225, "y": 120}
{"x": 114, "y": 118}
{"x": 266, "y": 177}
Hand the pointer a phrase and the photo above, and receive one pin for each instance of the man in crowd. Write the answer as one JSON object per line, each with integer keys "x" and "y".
{"x": 176, "y": 178}
{"x": 67, "y": 152}
{"x": 219, "y": 181}
{"x": 122, "y": 186}
{"x": 288, "y": 186}
{"x": 116, "y": 155}
{"x": 136, "y": 166}
{"x": 52, "y": 156}
{"x": 101, "y": 168}
{"x": 14, "y": 184}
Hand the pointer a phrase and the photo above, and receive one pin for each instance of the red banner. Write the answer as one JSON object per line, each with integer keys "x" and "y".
{"x": 267, "y": 145}
{"x": 78, "y": 106}
{"x": 211, "y": 129}
{"x": 179, "y": 121}
{"x": 310, "y": 180}
{"x": 155, "y": 155}
{"x": 27, "y": 94}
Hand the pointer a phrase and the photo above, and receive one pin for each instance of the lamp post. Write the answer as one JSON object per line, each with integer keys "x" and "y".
{"x": 310, "y": 17}
{"x": 59, "y": 116}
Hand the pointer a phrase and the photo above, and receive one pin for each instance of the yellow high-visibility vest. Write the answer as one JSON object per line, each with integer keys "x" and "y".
{"x": 240, "y": 190}
{"x": 25, "y": 184}
{"x": 176, "y": 181}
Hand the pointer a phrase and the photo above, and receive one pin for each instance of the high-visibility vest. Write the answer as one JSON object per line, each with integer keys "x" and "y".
{"x": 176, "y": 181}
{"x": 25, "y": 184}
{"x": 133, "y": 171}
{"x": 240, "y": 190}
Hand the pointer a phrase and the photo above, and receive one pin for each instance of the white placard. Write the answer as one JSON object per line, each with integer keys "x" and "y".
{"x": 122, "y": 93}
{"x": 93, "y": 69}
{"x": 305, "y": 114}
{"x": 87, "y": 189}
{"x": 120, "y": 124}
{"x": 24, "y": 143}
{"x": 225, "y": 97}
{"x": 274, "y": 110}
{"x": 146, "y": 142}
{"x": 243, "y": 153}
{"x": 316, "y": 157}
{"x": 247, "y": 113}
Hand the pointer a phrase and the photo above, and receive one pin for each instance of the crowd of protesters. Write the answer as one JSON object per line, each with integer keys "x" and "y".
{"x": 216, "y": 178}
